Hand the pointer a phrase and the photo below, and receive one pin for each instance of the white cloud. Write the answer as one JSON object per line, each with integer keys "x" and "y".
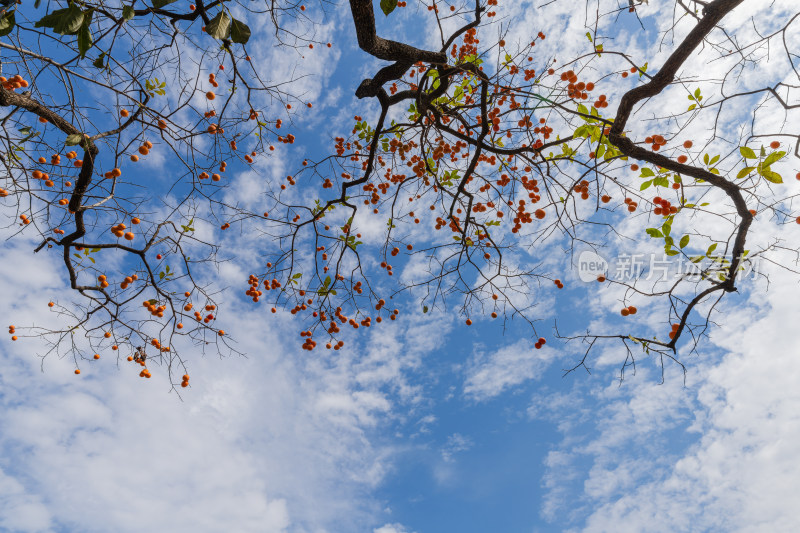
{"x": 742, "y": 475}
{"x": 391, "y": 528}
{"x": 488, "y": 375}
{"x": 456, "y": 443}
{"x": 273, "y": 442}
{"x": 24, "y": 511}
{"x": 737, "y": 418}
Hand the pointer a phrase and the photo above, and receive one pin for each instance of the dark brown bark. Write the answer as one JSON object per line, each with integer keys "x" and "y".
{"x": 403, "y": 55}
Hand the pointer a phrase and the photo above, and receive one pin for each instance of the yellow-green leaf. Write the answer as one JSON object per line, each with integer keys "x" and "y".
{"x": 747, "y": 152}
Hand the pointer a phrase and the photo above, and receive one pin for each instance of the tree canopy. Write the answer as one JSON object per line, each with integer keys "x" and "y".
{"x": 150, "y": 144}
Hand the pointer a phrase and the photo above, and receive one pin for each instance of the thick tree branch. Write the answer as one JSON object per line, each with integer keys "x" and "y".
{"x": 714, "y": 13}
{"x": 402, "y": 54}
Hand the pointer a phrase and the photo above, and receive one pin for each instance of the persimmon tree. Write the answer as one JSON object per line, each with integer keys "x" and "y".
{"x": 480, "y": 150}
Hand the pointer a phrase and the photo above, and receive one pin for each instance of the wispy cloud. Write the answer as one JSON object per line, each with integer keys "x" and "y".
{"x": 488, "y": 375}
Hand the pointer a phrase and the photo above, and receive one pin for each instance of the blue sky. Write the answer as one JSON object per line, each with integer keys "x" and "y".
{"x": 424, "y": 424}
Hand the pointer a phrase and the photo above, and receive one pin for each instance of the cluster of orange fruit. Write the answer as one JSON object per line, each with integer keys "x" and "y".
{"x": 127, "y": 281}
{"x": 630, "y": 310}
{"x": 601, "y": 102}
{"x": 44, "y": 176}
{"x": 155, "y": 310}
{"x": 113, "y": 173}
{"x": 632, "y": 70}
{"x": 11, "y": 331}
{"x": 158, "y": 346}
{"x": 119, "y": 231}
{"x": 214, "y": 129}
{"x": 577, "y": 90}
{"x": 199, "y": 316}
{"x": 78, "y": 163}
{"x": 583, "y": 189}
{"x": 249, "y": 158}
{"x": 309, "y": 343}
{"x": 631, "y": 205}
{"x": 16, "y": 82}
{"x": 657, "y": 141}
{"x": 253, "y": 290}
{"x": 144, "y": 149}
{"x": 664, "y": 208}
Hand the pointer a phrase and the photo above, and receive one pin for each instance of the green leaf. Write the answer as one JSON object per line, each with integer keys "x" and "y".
{"x": 600, "y": 151}
{"x": 73, "y": 139}
{"x": 661, "y": 181}
{"x": 711, "y": 249}
{"x": 99, "y": 63}
{"x": 670, "y": 251}
{"x": 240, "y": 32}
{"x": 219, "y": 27}
{"x": 7, "y": 22}
{"x": 84, "y": 40}
{"x": 63, "y": 21}
{"x": 655, "y": 233}
{"x": 684, "y": 241}
{"x": 771, "y": 176}
{"x": 645, "y": 185}
{"x": 127, "y": 13}
{"x": 771, "y": 158}
{"x": 692, "y": 107}
{"x": 161, "y": 275}
{"x": 714, "y": 160}
{"x": 387, "y": 6}
{"x": 745, "y": 171}
{"x": 424, "y": 308}
{"x": 747, "y": 152}
{"x": 158, "y": 4}
{"x": 646, "y": 173}
{"x": 297, "y": 276}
